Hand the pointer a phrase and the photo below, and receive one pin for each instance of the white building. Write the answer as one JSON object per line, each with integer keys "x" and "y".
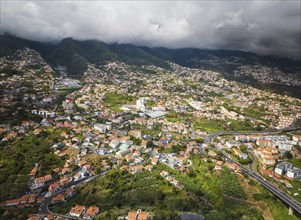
{"x": 231, "y": 144}
{"x": 282, "y": 167}
{"x": 44, "y": 113}
{"x": 285, "y": 145}
{"x": 102, "y": 151}
{"x": 100, "y": 127}
{"x": 294, "y": 172}
{"x": 195, "y": 104}
{"x": 114, "y": 143}
{"x": 140, "y": 105}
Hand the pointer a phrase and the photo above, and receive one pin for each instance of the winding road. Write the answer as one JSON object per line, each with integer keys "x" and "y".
{"x": 44, "y": 207}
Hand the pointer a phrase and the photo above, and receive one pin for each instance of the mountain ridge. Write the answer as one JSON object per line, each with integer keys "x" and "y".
{"x": 245, "y": 67}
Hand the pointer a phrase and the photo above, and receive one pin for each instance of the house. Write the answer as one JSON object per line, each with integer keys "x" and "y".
{"x": 287, "y": 184}
{"x": 40, "y": 200}
{"x": 164, "y": 173}
{"x": 132, "y": 215}
{"x": 144, "y": 143}
{"x": 77, "y": 176}
{"x": 34, "y": 171}
{"x": 77, "y": 211}
{"x": 129, "y": 157}
{"x": 149, "y": 167}
{"x": 65, "y": 170}
{"x": 212, "y": 153}
{"x": 12, "y": 202}
{"x": 64, "y": 180}
{"x": 266, "y": 143}
{"x": 243, "y": 156}
{"x": 44, "y": 113}
{"x": 24, "y": 199}
{"x": 32, "y": 199}
{"x": 137, "y": 169}
{"x": 102, "y": 151}
{"x": 37, "y": 131}
{"x": 54, "y": 187}
{"x": 230, "y": 144}
{"x": 69, "y": 193}
{"x": 39, "y": 182}
{"x": 91, "y": 212}
{"x": 87, "y": 167}
{"x": 232, "y": 166}
{"x": 114, "y": 143}
{"x": 297, "y": 138}
{"x": 101, "y": 128}
{"x": 294, "y": 172}
{"x": 138, "y": 215}
{"x": 218, "y": 166}
{"x": 281, "y": 168}
{"x": 154, "y": 161}
{"x": 58, "y": 198}
{"x": 33, "y": 218}
{"x": 82, "y": 163}
{"x": 135, "y": 133}
{"x": 270, "y": 161}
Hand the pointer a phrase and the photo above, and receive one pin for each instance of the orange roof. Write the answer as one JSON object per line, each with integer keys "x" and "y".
{"x": 143, "y": 216}
{"x": 53, "y": 185}
{"x": 41, "y": 199}
{"x": 132, "y": 215}
{"x": 287, "y": 183}
{"x": 82, "y": 163}
{"x": 58, "y": 197}
{"x": 12, "y": 201}
{"x": 92, "y": 211}
{"x": 77, "y": 209}
{"x": 232, "y": 166}
{"x": 65, "y": 179}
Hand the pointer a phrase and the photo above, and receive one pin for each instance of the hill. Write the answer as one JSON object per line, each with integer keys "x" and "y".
{"x": 275, "y": 74}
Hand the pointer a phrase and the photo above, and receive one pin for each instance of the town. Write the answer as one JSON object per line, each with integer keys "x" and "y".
{"x": 138, "y": 120}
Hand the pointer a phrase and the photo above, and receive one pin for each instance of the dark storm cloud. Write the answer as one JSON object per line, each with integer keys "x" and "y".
{"x": 264, "y": 27}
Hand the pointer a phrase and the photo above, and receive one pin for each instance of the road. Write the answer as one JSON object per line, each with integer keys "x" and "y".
{"x": 209, "y": 138}
{"x": 44, "y": 207}
{"x": 295, "y": 205}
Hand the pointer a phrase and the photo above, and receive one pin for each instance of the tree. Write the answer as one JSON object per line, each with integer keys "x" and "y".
{"x": 149, "y": 144}
{"x": 288, "y": 155}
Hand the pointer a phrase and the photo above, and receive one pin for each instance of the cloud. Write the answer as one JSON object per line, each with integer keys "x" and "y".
{"x": 264, "y": 27}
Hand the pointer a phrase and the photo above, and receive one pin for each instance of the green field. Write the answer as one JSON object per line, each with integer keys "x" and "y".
{"x": 114, "y": 101}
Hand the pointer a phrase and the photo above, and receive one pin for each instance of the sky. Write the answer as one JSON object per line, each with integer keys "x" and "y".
{"x": 265, "y": 27}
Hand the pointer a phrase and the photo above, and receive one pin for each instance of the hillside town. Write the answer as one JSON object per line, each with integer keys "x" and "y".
{"x": 137, "y": 119}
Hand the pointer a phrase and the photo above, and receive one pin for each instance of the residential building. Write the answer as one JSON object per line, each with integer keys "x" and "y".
{"x": 77, "y": 211}
{"x": 282, "y": 167}
{"x": 91, "y": 212}
{"x": 294, "y": 172}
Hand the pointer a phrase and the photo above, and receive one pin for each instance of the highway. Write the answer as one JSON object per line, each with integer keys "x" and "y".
{"x": 295, "y": 205}
{"x": 209, "y": 138}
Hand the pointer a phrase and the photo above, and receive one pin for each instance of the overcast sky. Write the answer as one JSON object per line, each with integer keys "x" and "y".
{"x": 262, "y": 26}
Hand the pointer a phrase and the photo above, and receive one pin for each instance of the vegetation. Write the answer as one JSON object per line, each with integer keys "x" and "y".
{"x": 208, "y": 125}
{"x": 204, "y": 191}
{"x": 19, "y": 157}
{"x": 114, "y": 101}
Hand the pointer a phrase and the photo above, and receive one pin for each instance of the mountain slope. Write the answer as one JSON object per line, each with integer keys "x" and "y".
{"x": 75, "y": 55}
{"x": 275, "y": 74}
